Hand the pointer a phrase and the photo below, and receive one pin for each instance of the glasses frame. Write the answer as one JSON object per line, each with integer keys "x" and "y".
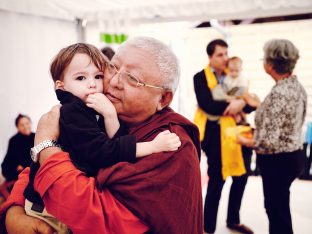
{"x": 138, "y": 82}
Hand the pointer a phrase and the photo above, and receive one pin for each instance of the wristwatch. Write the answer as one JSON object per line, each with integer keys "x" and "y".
{"x": 43, "y": 145}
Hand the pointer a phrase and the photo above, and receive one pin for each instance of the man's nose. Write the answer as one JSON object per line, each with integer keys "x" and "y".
{"x": 115, "y": 81}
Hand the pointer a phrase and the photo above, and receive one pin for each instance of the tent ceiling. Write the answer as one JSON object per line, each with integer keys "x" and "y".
{"x": 157, "y": 10}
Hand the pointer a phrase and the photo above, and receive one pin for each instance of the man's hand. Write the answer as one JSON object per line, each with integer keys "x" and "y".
{"x": 17, "y": 222}
{"x": 48, "y": 126}
{"x": 234, "y": 107}
{"x": 48, "y": 129}
{"x": 252, "y": 100}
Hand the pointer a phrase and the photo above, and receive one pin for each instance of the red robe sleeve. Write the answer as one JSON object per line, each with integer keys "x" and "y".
{"x": 16, "y": 197}
{"x": 74, "y": 199}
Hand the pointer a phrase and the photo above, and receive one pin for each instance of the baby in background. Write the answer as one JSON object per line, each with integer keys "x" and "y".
{"x": 234, "y": 83}
{"x": 234, "y": 86}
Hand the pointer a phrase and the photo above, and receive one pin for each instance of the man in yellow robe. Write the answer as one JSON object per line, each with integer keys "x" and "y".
{"x": 212, "y": 117}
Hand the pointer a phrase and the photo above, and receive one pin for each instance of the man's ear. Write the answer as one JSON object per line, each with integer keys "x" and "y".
{"x": 59, "y": 85}
{"x": 165, "y": 100}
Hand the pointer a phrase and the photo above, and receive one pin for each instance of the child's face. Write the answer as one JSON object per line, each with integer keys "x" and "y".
{"x": 235, "y": 69}
{"x": 82, "y": 77}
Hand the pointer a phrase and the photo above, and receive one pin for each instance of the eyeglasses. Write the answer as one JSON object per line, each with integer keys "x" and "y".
{"x": 126, "y": 76}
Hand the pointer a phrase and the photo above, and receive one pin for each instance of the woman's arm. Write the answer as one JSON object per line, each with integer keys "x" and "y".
{"x": 248, "y": 142}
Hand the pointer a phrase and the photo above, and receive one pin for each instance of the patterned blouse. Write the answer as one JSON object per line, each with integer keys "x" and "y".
{"x": 280, "y": 117}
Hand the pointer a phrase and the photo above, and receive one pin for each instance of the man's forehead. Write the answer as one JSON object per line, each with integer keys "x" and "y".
{"x": 131, "y": 57}
{"x": 220, "y": 49}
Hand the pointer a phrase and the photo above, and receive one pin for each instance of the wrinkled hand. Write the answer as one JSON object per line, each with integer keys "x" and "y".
{"x": 17, "y": 222}
{"x": 101, "y": 104}
{"x": 166, "y": 141}
{"x": 252, "y": 100}
{"x": 48, "y": 126}
{"x": 234, "y": 107}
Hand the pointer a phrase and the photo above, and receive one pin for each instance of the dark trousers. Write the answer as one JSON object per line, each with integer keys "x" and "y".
{"x": 307, "y": 161}
{"x": 278, "y": 171}
{"x": 212, "y": 147}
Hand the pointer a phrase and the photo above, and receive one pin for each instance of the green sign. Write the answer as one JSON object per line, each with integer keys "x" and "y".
{"x": 110, "y": 38}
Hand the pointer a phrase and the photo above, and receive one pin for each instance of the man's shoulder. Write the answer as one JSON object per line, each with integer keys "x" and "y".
{"x": 199, "y": 74}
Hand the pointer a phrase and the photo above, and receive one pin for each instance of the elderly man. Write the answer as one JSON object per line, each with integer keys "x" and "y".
{"x": 158, "y": 194}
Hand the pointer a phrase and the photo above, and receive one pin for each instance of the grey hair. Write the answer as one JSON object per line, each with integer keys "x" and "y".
{"x": 164, "y": 57}
{"x": 281, "y": 54}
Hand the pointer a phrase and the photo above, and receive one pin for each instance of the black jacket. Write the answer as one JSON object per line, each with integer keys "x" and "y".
{"x": 84, "y": 138}
{"x": 18, "y": 154}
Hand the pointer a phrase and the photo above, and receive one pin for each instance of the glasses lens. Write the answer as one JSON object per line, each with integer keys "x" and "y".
{"x": 132, "y": 80}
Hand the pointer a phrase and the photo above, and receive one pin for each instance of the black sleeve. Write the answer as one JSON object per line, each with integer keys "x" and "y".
{"x": 204, "y": 96}
{"x": 88, "y": 146}
{"x": 248, "y": 109}
{"x": 10, "y": 163}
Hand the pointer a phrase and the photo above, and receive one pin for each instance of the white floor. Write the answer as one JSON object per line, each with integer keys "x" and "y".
{"x": 253, "y": 212}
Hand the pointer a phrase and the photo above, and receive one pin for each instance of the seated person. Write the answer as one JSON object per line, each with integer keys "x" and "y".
{"x": 17, "y": 156}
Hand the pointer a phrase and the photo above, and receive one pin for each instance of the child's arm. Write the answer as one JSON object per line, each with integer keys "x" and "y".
{"x": 103, "y": 106}
{"x": 164, "y": 141}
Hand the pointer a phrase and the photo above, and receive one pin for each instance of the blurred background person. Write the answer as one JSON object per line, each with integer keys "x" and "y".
{"x": 18, "y": 154}
{"x": 234, "y": 82}
{"x": 212, "y": 119}
{"x": 277, "y": 139}
{"x": 108, "y": 52}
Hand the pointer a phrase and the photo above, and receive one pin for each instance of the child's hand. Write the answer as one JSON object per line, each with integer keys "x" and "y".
{"x": 101, "y": 104}
{"x": 166, "y": 141}
{"x": 19, "y": 168}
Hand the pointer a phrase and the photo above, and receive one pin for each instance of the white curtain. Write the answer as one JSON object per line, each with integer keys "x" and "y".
{"x": 27, "y": 45}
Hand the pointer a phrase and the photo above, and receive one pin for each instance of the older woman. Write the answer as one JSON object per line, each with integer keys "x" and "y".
{"x": 277, "y": 138}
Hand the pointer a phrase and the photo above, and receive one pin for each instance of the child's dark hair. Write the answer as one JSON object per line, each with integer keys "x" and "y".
{"x": 65, "y": 56}
{"x": 19, "y": 117}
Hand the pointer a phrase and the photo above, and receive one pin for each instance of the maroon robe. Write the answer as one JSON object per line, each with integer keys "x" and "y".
{"x": 164, "y": 189}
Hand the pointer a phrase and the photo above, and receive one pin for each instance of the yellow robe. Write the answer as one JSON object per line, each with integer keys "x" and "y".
{"x": 231, "y": 152}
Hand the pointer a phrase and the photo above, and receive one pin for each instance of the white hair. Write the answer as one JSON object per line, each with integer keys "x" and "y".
{"x": 163, "y": 56}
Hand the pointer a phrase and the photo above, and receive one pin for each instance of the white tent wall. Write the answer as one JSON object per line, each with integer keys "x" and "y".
{"x": 28, "y": 44}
